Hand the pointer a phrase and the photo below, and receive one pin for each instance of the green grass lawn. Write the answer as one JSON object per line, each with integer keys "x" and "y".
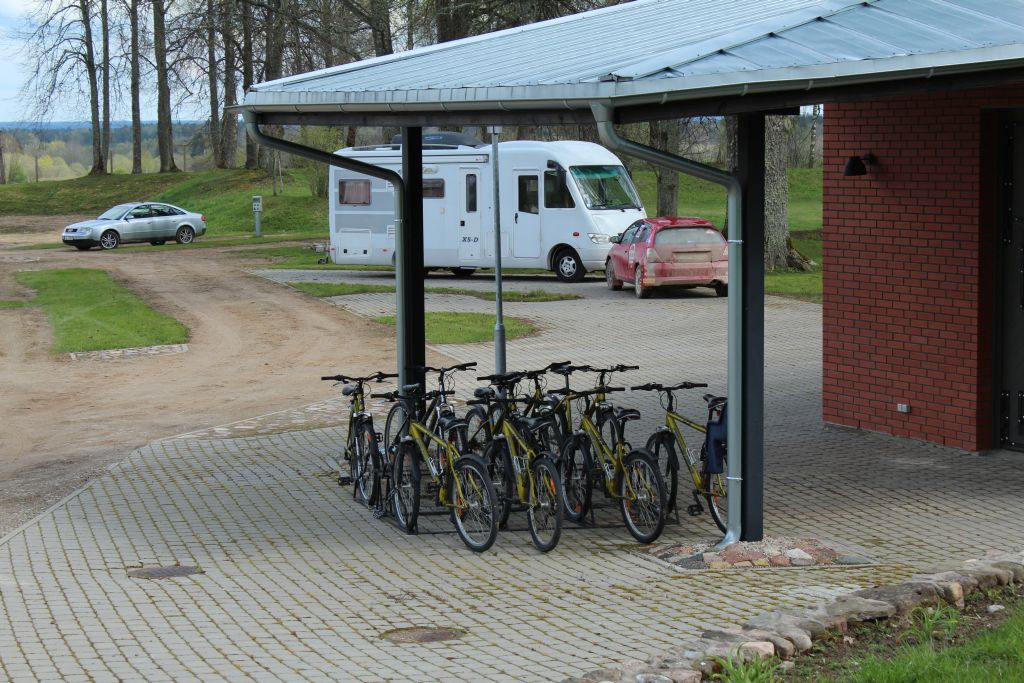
{"x": 344, "y": 288}
{"x": 89, "y": 311}
{"x": 466, "y": 328}
{"x": 339, "y": 288}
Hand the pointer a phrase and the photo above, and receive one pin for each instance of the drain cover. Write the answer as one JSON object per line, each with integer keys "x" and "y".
{"x": 163, "y": 572}
{"x": 422, "y": 634}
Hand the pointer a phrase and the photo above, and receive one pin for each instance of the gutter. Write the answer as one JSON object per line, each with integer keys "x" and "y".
{"x": 252, "y": 127}
{"x": 604, "y": 117}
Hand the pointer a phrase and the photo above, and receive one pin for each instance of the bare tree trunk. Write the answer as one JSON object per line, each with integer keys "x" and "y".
{"x": 133, "y": 18}
{"x": 248, "y": 73}
{"x": 165, "y": 132}
{"x": 229, "y": 122}
{"x": 664, "y": 135}
{"x": 105, "y": 34}
{"x": 778, "y": 247}
{"x": 813, "y": 144}
{"x": 94, "y": 105}
{"x": 211, "y": 60}
{"x": 3, "y": 166}
{"x": 451, "y": 20}
{"x": 380, "y": 27}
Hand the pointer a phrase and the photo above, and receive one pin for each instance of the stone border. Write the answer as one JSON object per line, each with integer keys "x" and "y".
{"x": 788, "y": 632}
{"x": 138, "y": 352}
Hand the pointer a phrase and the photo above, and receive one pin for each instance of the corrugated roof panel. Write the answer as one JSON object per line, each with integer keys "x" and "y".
{"x": 717, "y": 63}
{"x": 973, "y": 25}
{"x": 776, "y": 52}
{"x": 840, "y": 42}
{"x": 874, "y": 21}
{"x": 1010, "y": 11}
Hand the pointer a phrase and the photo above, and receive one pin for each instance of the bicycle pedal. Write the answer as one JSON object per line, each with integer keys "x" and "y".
{"x": 344, "y": 481}
{"x": 379, "y": 512}
{"x": 695, "y": 510}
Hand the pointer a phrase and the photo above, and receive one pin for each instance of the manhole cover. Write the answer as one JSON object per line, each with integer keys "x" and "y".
{"x": 422, "y": 634}
{"x": 163, "y": 572}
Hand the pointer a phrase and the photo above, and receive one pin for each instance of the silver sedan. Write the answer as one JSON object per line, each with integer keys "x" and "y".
{"x": 152, "y": 222}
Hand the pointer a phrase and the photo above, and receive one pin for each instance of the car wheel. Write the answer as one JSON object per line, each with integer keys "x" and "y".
{"x": 109, "y": 240}
{"x": 568, "y": 267}
{"x": 613, "y": 282}
{"x": 157, "y": 243}
{"x": 83, "y": 247}
{"x": 185, "y": 235}
{"x": 463, "y": 272}
{"x": 638, "y": 285}
{"x": 721, "y": 289}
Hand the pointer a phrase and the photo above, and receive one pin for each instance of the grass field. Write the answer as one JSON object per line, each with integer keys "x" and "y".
{"x": 344, "y": 289}
{"x": 89, "y": 311}
{"x": 466, "y": 328}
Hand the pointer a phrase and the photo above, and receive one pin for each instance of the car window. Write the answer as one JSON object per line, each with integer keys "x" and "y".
{"x": 140, "y": 212}
{"x": 114, "y": 213}
{"x": 627, "y": 236}
{"x": 529, "y": 194}
{"x": 161, "y": 210}
{"x": 641, "y": 234}
{"x": 683, "y": 236}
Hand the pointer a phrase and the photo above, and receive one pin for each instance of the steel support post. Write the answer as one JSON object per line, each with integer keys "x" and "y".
{"x": 750, "y": 172}
{"x": 410, "y": 319}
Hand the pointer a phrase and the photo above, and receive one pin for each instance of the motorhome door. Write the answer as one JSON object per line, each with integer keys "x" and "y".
{"x": 469, "y": 216}
{"x": 526, "y": 220}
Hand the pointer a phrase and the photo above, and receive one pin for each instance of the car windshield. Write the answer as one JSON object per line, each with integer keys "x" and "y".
{"x": 683, "y": 236}
{"x": 114, "y": 213}
{"x": 606, "y": 187}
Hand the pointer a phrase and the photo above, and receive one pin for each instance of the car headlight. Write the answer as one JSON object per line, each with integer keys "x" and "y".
{"x": 598, "y": 237}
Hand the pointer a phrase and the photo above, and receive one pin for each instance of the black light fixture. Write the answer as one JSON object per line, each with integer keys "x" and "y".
{"x": 856, "y": 165}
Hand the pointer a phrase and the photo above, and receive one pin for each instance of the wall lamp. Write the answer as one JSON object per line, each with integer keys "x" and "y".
{"x": 856, "y": 165}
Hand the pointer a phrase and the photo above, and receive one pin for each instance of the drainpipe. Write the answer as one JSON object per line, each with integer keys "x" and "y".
{"x": 604, "y": 117}
{"x": 252, "y": 127}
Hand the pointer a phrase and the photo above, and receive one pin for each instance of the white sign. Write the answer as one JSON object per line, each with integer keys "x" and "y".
{"x": 257, "y": 204}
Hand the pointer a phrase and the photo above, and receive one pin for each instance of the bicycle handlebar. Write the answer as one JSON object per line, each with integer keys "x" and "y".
{"x": 502, "y": 378}
{"x": 658, "y": 387}
{"x": 463, "y": 366}
{"x": 375, "y": 377}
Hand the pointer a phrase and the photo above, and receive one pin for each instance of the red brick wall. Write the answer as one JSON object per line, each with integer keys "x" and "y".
{"x": 907, "y": 274}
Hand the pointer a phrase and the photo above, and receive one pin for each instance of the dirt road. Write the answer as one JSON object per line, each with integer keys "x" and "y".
{"x": 255, "y": 347}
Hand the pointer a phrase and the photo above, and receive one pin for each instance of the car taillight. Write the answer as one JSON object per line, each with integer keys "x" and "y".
{"x": 652, "y": 256}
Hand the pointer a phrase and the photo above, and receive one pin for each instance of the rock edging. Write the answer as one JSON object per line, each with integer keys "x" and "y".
{"x": 786, "y": 633}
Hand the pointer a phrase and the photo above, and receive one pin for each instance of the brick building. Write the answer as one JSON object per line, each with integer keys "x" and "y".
{"x": 919, "y": 307}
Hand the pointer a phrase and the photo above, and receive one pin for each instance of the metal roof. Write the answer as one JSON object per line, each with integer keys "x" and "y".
{"x": 655, "y": 51}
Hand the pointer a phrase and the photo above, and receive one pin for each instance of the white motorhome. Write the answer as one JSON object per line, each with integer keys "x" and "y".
{"x": 560, "y": 204}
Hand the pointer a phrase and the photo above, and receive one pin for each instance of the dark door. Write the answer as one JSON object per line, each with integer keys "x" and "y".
{"x": 1011, "y": 306}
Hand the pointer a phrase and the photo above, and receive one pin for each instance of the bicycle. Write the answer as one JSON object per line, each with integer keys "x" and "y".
{"x": 522, "y": 470}
{"x": 707, "y": 470}
{"x": 462, "y": 480}
{"x": 395, "y": 424}
{"x": 362, "y": 449}
{"x": 629, "y": 475}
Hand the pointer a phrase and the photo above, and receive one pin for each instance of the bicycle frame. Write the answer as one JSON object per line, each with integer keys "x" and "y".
{"x": 609, "y": 458}
{"x": 420, "y": 435}
{"x": 672, "y": 422}
{"x": 517, "y": 447}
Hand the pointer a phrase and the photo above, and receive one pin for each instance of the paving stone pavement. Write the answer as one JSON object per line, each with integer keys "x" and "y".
{"x": 300, "y": 582}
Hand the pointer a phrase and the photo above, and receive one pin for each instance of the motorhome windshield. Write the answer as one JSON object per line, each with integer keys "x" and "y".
{"x": 606, "y": 187}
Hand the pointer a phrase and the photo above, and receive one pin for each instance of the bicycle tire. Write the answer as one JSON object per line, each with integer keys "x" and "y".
{"x": 478, "y": 429}
{"x": 544, "y": 511}
{"x": 393, "y": 426}
{"x": 405, "y": 480}
{"x": 643, "y": 513}
{"x": 366, "y": 475}
{"x": 607, "y": 428}
{"x": 476, "y": 506}
{"x": 576, "y": 469}
{"x": 663, "y": 447}
{"x": 498, "y": 462}
{"x": 715, "y": 487}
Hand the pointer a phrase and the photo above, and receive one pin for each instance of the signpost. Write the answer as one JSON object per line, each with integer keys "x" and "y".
{"x": 499, "y": 320}
{"x": 257, "y": 209}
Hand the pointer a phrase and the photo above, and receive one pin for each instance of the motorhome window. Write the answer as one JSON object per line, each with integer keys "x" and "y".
{"x": 606, "y": 187}
{"x": 433, "y": 188}
{"x": 556, "y": 194}
{"x": 529, "y": 194}
{"x": 470, "y": 193}
{"x": 354, "y": 192}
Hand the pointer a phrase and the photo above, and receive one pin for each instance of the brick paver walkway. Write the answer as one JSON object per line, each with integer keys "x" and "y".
{"x": 300, "y": 582}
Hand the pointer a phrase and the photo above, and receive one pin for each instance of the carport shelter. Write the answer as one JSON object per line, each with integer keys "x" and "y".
{"x": 924, "y": 240}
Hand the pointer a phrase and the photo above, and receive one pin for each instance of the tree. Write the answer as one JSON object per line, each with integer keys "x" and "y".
{"x": 105, "y": 35}
{"x": 779, "y": 252}
{"x": 165, "y": 132}
{"x": 211, "y": 73}
{"x": 134, "y": 60}
{"x": 3, "y": 168}
{"x": 664, "y": 135}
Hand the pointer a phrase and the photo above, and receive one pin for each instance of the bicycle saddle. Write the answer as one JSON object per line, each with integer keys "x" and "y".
{"x": 483, "y": 392}
{"x": 533, "y": 423}
{"x": 412, "y": 389}
{"x": 349, "y": 389}
{"x": 626, "y": 414}
{"x": 715, "y": 401}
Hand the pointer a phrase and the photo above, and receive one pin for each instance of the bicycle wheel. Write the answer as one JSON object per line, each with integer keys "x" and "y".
{"x": 474, "y": 503}
{"x": 576, "y": 469}
{"x": 499, "y": 467}
{"x": 393, "y": 427}
{"x": 714, "y": 487}
{"x": 366, "y": 465}
{"x": 642, "y": 500}
{"x": 405, "y": 482}
{"x": 663, "y": 446}
{"x": 478, "y": 429}
{"x": 549, "y": 437}
{"x": 606, "y": 425}
{"x": 544, "y": 504}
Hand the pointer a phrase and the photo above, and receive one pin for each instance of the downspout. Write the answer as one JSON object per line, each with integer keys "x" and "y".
{"x": 252, "y": 127}
{"x": 604, "y": 118}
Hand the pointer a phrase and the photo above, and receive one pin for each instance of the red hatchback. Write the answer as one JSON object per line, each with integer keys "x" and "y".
{"x": 669, "y": 251}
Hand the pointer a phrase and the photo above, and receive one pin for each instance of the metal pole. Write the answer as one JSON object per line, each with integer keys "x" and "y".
{"x": 410, "y": 316}
{"x": 604, "y": 117}
{"x": 499, "y": 316}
